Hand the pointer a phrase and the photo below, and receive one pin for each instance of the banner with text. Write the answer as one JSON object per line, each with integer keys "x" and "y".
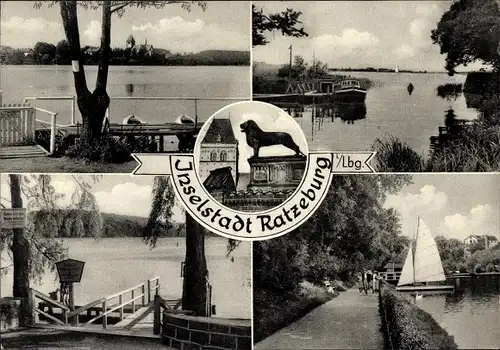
{"x": 259, "y": 225}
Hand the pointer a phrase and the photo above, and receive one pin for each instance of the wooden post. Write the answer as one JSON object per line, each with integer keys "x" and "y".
{"x": 149, "y": 291}
{"x": 157, "y": 316}
{"x": 72, "y": 302}
{"x": 53, "y": 133}
{"x": 143, "y": 289}
{"x": 105, "y": 317}
{"x": 73, "y": 101}
{"x": 31, "y": 296}
{"x": 161, "y": 145}
{"x": 120, "y": 300}
{"x": 133, "y": 301}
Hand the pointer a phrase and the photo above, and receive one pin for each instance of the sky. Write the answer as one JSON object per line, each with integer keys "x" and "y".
{"x": 452, "y": 205}
{"x": 170, "y": 28}
{"x": 268, "y": 118}
{"x": 360, "y": 34}
{"x": 116, "y": 194}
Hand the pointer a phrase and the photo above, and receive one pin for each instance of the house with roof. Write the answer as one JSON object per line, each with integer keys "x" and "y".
{"x": 392, "y": 271}
{"x": 490, "y": 240}
{"x": 219, "y": 149}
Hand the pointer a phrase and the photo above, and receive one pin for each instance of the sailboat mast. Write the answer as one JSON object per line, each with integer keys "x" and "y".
{"x": 415, "y": 237}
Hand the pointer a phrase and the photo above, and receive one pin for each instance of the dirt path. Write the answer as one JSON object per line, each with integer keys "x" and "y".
{"x": 349, "y": 321}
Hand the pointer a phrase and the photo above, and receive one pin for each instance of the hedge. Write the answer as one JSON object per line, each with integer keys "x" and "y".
{"x": 406, "y": 326}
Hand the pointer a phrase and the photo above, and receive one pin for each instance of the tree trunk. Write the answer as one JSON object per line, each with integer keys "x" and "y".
{"x": 194, "y": 294}
{"x": 92, "y": 106}
{"x": 21, "y": 253}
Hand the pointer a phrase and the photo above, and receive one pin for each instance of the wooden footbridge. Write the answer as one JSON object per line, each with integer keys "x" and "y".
{"x": 136, "y": 311}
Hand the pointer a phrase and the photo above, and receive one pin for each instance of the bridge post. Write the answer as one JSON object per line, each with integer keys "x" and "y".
{"x": 143, "y": 289}
{"x": 149, "y": 291}
{"x": 157, "y": 316}
{"x": 105, "y": 315}
{"x": 53, "y": 133}
{"x": 120, "y": 301}
{"x": 133, "y": 302}
{"x": 73, "y": 101}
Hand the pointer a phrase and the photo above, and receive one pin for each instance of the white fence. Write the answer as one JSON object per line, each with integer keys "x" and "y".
{"x": 17, "y": 125}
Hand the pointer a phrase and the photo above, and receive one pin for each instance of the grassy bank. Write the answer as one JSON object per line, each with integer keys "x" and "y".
{"x": 274, "y": 311}
{"x": 476, "y": 150}
{"x": 408, "y": 327}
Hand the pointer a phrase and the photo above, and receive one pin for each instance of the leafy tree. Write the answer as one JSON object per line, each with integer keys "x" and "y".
{"x": 469, "y": 31}
{"x": 36, "y": 248}
{"x": 452, "y": 252}
{"x": 349, "y": 230}
{"x": 298, "y": 68}
{"x": 44, "y": 52}
{"x": 286, "y": 22}
{"x": 93, "y": 105}
{"x": 63, "y": 53}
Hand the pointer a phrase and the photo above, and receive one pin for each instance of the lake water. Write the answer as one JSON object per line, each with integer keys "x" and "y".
{"x": 19, "y": 82}
{"x": 391, "y": 111}
{"x": 115, "y": 264}
{"x": 471, "y": 315}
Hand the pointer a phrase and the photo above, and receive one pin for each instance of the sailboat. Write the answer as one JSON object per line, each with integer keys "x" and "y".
{"x": 397, "y": 69}
{"x": 423, "y": 265}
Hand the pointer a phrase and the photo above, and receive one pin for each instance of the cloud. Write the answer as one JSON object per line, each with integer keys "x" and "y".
{"x": 405, "y": 51}
{"x": 349, "y": 40}
{"x": 93, "y": 31}
{"x": 180, "y": 35}
{"x": 25, "y": 32}
{"x": 126, "y": 199}
{"x": 427, "y": 200}
{"x": 482, "y": 219}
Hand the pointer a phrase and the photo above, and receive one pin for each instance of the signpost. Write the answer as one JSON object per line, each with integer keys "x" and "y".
{"x": 70, "y": 271}
{"x": 13, "y": 218}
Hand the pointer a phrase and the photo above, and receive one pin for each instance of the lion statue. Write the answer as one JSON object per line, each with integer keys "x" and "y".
{"x": 257, "y": 138}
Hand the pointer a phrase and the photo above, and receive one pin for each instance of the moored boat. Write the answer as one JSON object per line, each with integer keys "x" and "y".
{"x": 132, "y": 119}
{"x": 423, "y": 269}
{"x": 350, "y": 89}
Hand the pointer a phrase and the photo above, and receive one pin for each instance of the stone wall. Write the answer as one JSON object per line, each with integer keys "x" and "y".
{"x": 203, "y": 333}
{"x": 10, "y": 312}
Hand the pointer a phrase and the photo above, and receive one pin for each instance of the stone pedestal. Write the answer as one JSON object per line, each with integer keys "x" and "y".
{"x": 276, "y": 173}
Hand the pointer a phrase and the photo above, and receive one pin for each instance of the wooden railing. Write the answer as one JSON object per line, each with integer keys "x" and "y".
{"x": 34, "y": 295}
{"x": 194, "y": 100}
{"x": 139, "y": 295}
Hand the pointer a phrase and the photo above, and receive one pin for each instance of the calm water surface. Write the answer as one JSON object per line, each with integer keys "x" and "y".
{"x": 471, "y": 315}
{"x": 19, "y": 82}
{"x": 115, "y": 264}
{"x": 391, "y": 111}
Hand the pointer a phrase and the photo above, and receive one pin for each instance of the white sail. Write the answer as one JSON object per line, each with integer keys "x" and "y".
{"x": 428, "y": 265}
{"x": 407, "y": 272}
{"x": 397, "y": 69}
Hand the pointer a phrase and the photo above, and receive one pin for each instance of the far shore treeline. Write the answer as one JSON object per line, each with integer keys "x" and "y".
{"x": 44, "y": 53}
{"x": 73, "y": 223}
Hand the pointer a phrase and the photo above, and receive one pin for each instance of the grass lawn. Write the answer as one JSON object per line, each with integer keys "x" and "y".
{"x": 62, "y": 165}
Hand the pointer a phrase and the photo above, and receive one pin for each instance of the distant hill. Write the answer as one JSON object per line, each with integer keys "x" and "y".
{"x": 211, "y": 58}
{"x": 75, "y": 223}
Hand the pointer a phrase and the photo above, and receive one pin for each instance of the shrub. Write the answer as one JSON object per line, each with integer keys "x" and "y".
{"x": 408, "y": 327}
{"x": 107, "y": 150}
{"x": 395, "y": 156}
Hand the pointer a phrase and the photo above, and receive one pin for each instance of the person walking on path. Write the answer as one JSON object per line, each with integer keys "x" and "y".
{"x": 365, "y": 282}
{"x": 375, "y": 281}
{"x": 369, "y": 279}
{"x": 360, "y": 282}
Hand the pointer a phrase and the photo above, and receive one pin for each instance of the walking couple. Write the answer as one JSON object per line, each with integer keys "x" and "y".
{"x": 368, "y": 280}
